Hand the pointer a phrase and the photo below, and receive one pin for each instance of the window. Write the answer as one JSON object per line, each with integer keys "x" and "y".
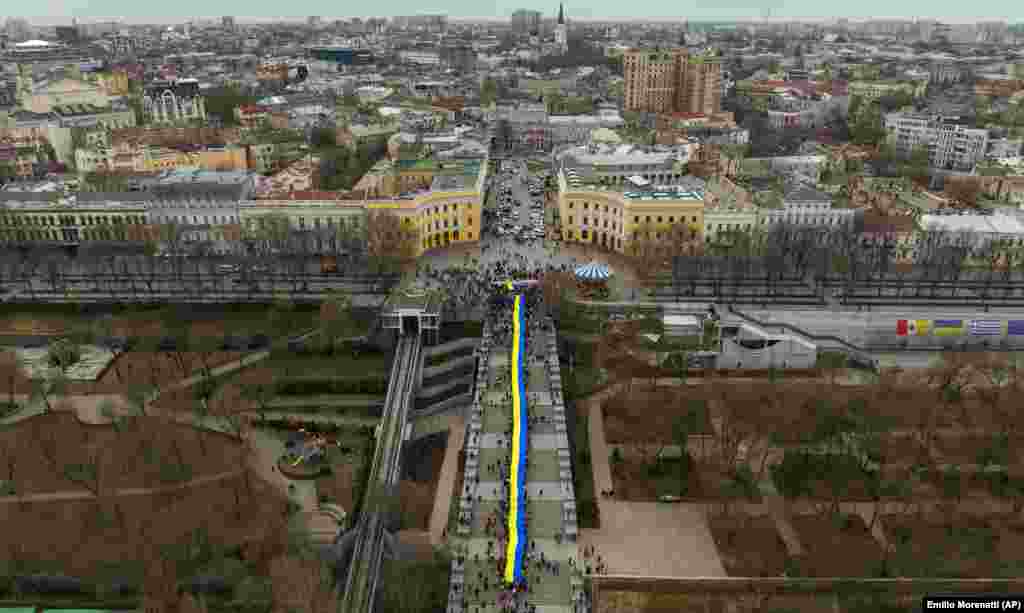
{"x": 586, "y": 206}
{"x": 648, "y": 219}
{"x": 636, "y": 220}
{"x": 571, "y": 204}
{"x": 659, "y": 218}
{"x": 570, "y": 219}
{"x": 671, "y": 219}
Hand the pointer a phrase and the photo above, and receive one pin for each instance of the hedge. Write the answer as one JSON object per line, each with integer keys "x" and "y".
{"x": 315, "y": 386}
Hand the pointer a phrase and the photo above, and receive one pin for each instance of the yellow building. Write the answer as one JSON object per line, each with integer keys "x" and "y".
{"x": 615, "y": 215}
{"x": 113, "y": 83}
{"x": 218, "y": 158}
{"x": 437, "y": 204}
{"x": 133, "y": 157}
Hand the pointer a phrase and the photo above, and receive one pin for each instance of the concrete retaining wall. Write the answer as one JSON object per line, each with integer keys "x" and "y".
{"x": 430, "y": 392}
{"x": 444, "y": 405}
{"x": 433, "y": 371}
{"x": 461, "y": 343}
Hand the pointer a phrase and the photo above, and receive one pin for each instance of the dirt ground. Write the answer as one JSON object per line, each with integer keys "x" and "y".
{"x": 618, "y": 601}
{"x": 966, "y": 448}
{"x": 339, "y": 486}
{"x": 832, "y": 549}
{"x": 634, "y": 481}
{"x": 749, "y": 546}
{"x": 646, "y": 415}
{"x": 966, "y": 546}
{"x": 36, "y": 450}
{"x": 85, "y": 537}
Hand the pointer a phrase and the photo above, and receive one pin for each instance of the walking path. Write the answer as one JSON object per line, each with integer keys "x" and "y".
{"x": 644, "y": 538}
{"x": 446, "y": 480}
{"x": 551, "y": 527}
{"x": 129, "y": 491}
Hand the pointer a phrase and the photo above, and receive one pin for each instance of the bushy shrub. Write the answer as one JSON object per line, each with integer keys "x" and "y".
{"x": 63, "y": 354}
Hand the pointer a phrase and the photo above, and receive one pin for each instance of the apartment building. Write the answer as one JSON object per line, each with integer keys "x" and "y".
{"x": 50, "y": 217}
{"x": 672, "y": 81}
{"x": 806, "y": 206}
{"x": 945, "y": 72}
{"x": 525, "y": 21}
{"x": 440, "y": 203}
{"x": 950, "y": 146}
{"x": 126, "y": 157}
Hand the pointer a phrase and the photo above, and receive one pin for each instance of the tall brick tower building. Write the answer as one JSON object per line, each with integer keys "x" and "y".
{"x": 672, "y": 81}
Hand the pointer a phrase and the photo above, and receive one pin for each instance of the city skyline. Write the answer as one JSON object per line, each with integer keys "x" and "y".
{"x": 61, "y": 12}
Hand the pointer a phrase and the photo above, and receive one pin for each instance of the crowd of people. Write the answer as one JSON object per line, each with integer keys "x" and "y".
{"x": 469, "y": 287}
{"x": 476, "y": 285}
{"x": 513, "y": 596}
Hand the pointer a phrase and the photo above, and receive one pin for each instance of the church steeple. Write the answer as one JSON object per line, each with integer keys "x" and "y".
{"x": 561, "y": 14}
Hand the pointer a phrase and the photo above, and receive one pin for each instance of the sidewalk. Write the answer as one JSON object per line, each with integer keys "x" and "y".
{"x": 644, "y": 538}
{"x": 446, "y": 480}
{"x": 130, "y": 491}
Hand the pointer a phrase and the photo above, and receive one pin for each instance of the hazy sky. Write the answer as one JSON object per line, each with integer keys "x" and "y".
{"x": 133, "y": 11}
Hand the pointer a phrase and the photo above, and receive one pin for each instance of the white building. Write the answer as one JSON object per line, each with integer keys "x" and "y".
{"x": 978, "y": 230}
{"x": 950, "y": 146}
{"x": 806, "y": 206}
{"x": 173, "y": 101}
{"x": 747, "y": 346}
{"x": 421, "y": 58}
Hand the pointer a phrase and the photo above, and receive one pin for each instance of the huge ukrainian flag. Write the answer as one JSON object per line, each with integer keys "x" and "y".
{"x": 517, "y": 472}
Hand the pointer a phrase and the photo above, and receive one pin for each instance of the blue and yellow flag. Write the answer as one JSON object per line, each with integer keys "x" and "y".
{"x": 948, "y": 327}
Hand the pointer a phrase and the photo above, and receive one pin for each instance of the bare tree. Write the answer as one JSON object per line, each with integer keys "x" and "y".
{"x": 11, "y": 374}
{"x": 391, "y": 240}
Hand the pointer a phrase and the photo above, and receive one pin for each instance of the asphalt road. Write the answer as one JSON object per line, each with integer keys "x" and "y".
{"x": 868, "y": 328}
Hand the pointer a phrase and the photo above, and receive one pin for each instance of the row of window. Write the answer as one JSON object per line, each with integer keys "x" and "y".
{"x": 438, "y": 239}
{"x": 203, "y": 219}
{"x": 604, "y": 240}
{"x": 636, "y": 218}
{"x": 444, "y": 208}
{"x": 108, "y": 233}
{"x": 69, "y": 220}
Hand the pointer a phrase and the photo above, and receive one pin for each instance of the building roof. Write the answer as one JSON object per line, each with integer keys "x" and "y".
{"x": 621, "y": 155}
{"x": 804, "y": 193}
{"x": 987, "y": 224}
{"x": 33, "y": 43}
